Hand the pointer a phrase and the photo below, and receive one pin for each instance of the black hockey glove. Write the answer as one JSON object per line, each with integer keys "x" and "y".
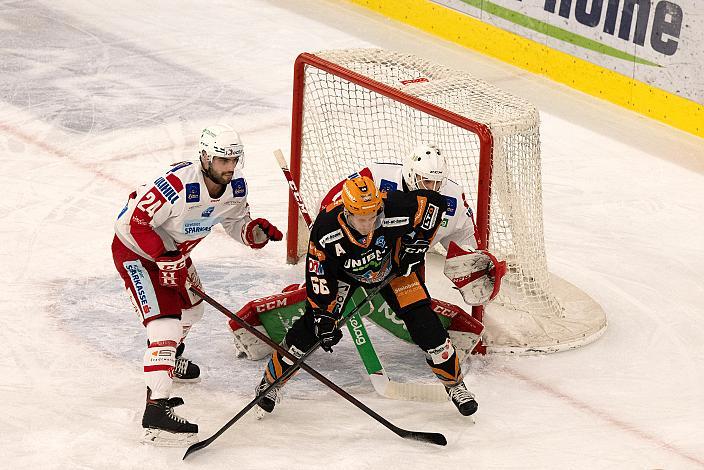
{"x": 412, "y": 254}
{"x": 326, "y": 329}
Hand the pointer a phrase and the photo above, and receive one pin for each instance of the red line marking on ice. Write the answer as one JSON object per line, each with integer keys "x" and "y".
{"x": 622, "y": 425}
{"x": 60, "y": 153}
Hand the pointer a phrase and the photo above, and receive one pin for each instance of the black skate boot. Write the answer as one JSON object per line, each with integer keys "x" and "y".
{"x": 163, "y": 427}
{"x": 463, "y": 399}
{"x": 185, "y": 370}
{"x": 272, "y": 398}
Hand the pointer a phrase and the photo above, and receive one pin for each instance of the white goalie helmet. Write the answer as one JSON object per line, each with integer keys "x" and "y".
{"x": 425, "y": 163}
{"x": 221, "y": 140}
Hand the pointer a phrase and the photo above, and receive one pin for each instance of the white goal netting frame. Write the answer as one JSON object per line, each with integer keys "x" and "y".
{"x": 358, "y": 106}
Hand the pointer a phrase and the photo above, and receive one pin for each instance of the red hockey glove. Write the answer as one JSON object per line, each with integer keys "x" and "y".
{"x": 258, "y": 232}
{"x": 172, "y": 269}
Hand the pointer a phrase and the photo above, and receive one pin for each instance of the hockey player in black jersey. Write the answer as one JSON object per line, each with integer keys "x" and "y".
{"x": 360, "y": 240}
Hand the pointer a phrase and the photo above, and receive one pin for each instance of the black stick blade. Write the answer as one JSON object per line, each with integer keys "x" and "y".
{"x": 195, "y": 447}
{"x": 430, "y": 437}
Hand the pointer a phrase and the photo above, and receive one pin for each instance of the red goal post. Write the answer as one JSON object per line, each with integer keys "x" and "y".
{"x": 353, "y": 107}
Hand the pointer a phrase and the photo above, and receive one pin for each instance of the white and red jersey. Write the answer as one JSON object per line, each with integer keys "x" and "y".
{"x": 175, "y": 212}
{"x": 457, "y": 223}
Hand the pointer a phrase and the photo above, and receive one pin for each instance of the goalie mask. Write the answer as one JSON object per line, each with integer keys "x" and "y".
{"x": 425, "y": 168}
{"x": 222, "y": 141}
{"x": 476, "y": 274}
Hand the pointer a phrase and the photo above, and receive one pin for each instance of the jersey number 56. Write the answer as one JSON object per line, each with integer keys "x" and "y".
{"x": 320, "y": 286}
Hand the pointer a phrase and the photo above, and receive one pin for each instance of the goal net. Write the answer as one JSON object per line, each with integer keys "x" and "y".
{"x": 358, "y": 106}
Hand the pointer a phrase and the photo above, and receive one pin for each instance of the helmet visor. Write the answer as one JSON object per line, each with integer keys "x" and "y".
{"x": 365, "y": 223}
{"x": 236, "y": 152}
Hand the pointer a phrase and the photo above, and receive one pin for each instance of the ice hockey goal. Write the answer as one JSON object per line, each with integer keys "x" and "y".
{"x": 353, "y": 107}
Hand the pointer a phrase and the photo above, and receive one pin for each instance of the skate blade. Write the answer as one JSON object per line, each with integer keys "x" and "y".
{"x": 186, "y": 381}
{"x": 259, "y": 412}
{"x": 161, "y": 438}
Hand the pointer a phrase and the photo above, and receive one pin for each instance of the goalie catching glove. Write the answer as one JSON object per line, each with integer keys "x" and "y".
{"x": 258, "y": 232}
{"x": 476, "y": 274}
{"x": 326, "y": 329}
{"x": 172, "y": 269}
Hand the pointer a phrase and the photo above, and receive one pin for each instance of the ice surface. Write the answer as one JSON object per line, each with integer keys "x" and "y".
{"x": 98, "y": 96}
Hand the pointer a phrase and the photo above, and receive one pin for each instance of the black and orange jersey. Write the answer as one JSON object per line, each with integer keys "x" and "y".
{"x": 337, "y": 252}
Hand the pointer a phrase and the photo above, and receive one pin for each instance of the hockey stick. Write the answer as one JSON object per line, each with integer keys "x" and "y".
{"x": 430, "y": 437}
{"x": 293, "y": 187}
{"x": 380, "y": 380}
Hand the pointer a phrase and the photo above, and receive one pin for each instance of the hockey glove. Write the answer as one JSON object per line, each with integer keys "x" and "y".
{"x": 326, "y": 329}
{"x": 172, "y": 269}
{"x": 258, "y": 232}
{"x": 475, "y": 273}
{"x": 412, "y": 255}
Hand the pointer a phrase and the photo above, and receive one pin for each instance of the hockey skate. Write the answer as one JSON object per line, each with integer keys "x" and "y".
{"x": 185, "y": 371}
{"x": 163, "y": 427}
{"x": 266, "y": 405}
{"x": 463, "y": 399}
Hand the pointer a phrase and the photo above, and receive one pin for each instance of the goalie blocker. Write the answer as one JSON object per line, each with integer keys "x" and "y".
{"x": 273, "y": 315}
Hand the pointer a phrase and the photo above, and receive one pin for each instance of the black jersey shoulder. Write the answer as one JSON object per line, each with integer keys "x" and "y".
{"x": 326, "y": 227}
{"x": 406, "y": 204}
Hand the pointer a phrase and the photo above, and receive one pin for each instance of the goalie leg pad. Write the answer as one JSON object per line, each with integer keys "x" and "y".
{"x": 249, "y": 346}
{"x": 160, "y": 357}
{"x": 464, "y": 343}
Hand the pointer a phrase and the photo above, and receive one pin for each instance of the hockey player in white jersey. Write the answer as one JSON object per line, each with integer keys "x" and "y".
{"x": 424, "y": 168}
{"x": 154, "y": 234}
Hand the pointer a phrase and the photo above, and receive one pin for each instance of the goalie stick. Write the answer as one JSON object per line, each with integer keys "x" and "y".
{"x": 429, "y": 437}
{"x": 380, "y": 380}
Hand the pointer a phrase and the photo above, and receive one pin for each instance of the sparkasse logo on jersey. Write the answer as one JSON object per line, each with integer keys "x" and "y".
{"x": 136, "y": 276}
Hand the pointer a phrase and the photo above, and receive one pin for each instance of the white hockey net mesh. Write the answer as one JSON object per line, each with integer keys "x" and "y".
{"x": 347, "y": 126}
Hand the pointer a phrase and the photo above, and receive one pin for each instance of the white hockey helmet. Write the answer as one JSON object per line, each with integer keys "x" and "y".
{"x": 425, "y": 162}
{"x": 221, "y": 140}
